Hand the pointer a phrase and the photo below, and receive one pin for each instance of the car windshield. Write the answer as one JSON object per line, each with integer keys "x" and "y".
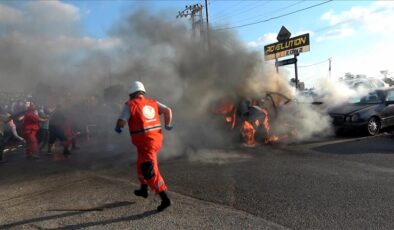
{"x": 371, "y": 98}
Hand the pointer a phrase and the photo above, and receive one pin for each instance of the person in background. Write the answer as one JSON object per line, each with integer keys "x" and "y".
{"x": 43, "y": 133}
{"x": 30, "y": 127}
{"x": 143, "y": 118}
{"x": 12, "y": 129}
{"x": 56, "y": 130}
{"x": 19, "y": 108}
{"x": 4, "y": 118}
{"x": 70, "y": 129}
{"x": 69, "y": 133}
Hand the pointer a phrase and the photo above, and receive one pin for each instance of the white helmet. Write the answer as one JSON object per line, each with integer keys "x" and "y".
{"x": 136, "y": 86}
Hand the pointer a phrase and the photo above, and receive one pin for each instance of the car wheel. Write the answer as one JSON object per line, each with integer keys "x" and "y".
{"x": 339, "y": 131}
{"x": 373, "y": 126}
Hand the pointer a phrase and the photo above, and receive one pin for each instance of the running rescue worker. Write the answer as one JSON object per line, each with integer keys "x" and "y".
{"x": 143, "y": 117}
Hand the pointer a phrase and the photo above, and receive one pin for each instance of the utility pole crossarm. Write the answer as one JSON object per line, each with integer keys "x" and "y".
{"x": 190, "y": 10}
{"x": 194, "y": 11}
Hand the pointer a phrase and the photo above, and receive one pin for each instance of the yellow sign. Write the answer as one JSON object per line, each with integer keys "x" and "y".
{"x": 297, "y": 44}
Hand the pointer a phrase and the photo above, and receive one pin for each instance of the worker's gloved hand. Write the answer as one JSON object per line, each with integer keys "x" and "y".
{"x": 118, "y": 130}
{"x": 169, "y": 127}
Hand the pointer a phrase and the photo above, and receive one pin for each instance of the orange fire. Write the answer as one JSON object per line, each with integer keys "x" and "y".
{"x": 266, "y": 124}
{"x": 227, "y": 108}
{"x": 271, "y": 139}
{"x": 248, "y": 130}
{"x": 248, "y": 133}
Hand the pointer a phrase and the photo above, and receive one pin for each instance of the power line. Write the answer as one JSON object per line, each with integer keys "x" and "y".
{"x": 276, "y": 17}
{"x": 229, "y": 7}
{"x": 250, "y": 7}
{"x": 245, "y": 10}
{"x": 316, "y": 63}
{"x": 258, "y": 17}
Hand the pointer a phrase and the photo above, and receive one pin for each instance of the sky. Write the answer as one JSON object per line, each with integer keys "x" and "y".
{"x": 356, "y": 35}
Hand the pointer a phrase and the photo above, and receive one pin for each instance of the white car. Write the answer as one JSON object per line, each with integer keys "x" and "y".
{"x": 366, "y": 83}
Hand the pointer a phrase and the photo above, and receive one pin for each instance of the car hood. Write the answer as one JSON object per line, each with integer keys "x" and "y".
{"x": 351, "y": 108}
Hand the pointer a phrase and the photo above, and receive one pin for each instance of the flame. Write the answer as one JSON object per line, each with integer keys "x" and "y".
{"x": 248, "y": 133}
{"x": 271, "y": 139}
{"x": 248, "y": 129}
{"x": 227, "y": 108}
{"x": 265, "y": 122}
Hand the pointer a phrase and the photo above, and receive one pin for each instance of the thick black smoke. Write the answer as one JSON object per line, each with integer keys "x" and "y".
{"x": 188, "y": 73}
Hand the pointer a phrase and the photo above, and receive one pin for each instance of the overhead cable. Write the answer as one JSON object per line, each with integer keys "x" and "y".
{"x": 257, "y": 17}
{"x": 276, "y": 17}
{"x": 317, "y": 63}
{"x": 241, "y": 11}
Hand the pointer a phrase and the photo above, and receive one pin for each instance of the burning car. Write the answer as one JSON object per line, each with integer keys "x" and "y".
{"x": 370, "y": 113}
{"x": 252, "y": 117}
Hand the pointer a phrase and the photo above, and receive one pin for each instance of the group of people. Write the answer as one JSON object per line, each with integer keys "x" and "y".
{"x": 37, "y": 127}
{"x": 140, "y": 114}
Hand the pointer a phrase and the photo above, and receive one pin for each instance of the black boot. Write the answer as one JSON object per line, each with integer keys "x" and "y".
{"x": 2, "y": 160}
{"x": 165, "y": 202}
{"x": 66, "y": 152}
{"x": 143, "y": 191}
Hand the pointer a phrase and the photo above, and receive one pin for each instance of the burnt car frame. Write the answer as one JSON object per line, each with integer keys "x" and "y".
{"x": 370, "y": 113}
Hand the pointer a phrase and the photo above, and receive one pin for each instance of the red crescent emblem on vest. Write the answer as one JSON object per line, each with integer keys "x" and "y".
{"x": 149, "y": 112}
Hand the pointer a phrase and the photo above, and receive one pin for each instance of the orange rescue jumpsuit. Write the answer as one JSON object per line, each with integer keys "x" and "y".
{"x": 30, "y": 127}
{"x": 145, "y": 131}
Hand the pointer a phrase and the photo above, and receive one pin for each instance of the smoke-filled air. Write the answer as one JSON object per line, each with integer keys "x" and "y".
{"x": 50, "y": 58}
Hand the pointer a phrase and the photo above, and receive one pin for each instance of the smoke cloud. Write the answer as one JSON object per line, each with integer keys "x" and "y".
{"x": 189, "y": 74}
{"x": 41, "y": 42}
{"x": 185, "y": 72}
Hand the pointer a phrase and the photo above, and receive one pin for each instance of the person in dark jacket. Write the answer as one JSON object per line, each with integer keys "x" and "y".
{"x": 56, "y": 130}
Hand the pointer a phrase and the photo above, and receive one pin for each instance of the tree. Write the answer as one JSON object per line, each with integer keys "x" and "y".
{"x": 384, "y": 73}
{"x": 349, "y": 75}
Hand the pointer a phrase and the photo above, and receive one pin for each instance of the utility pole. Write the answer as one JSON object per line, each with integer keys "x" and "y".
{"x": 329, "y": 67}
{"x": 207, "y": 18}
{"x": 194, "y": 11}
{"x": 206, "y": 12}
{"x": 296, "y": 70}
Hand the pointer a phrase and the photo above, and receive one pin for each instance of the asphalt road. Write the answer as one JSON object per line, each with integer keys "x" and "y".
{"x": 345, "y": 183}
